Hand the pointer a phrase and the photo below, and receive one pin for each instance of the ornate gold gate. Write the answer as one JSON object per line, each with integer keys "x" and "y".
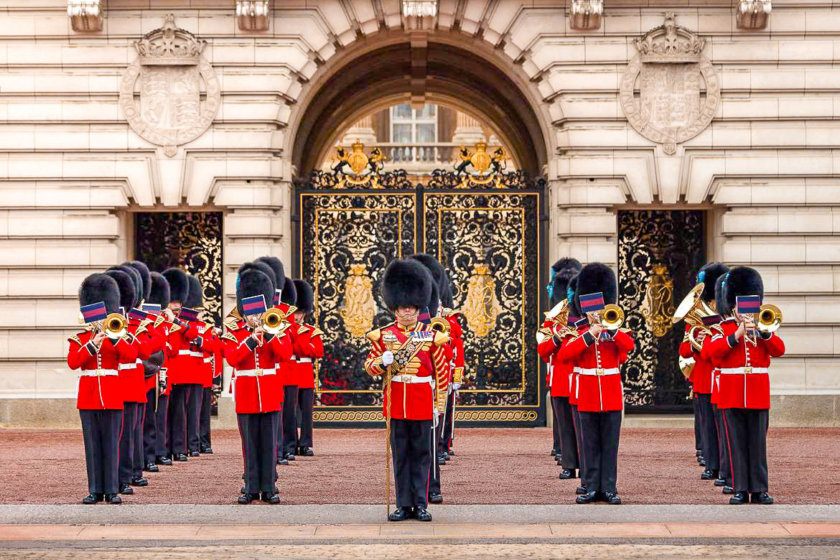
{"x": 484, "y": 227}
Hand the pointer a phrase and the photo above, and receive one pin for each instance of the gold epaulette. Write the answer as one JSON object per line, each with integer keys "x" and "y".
{"x": 175, "y": 328}
{"x": 231, "y": 324}
{"x": 146, "y": 322}
{"x": 303, "y": 329}
{"x": 228, "y": 336}
{"x": 74, "y": 338}
{"x": 375, "y": 335}
{"x": 316, "y": 332}
{"x": 140, "y": 330}
{"x": 626, "y": 331}
{"x": 717, "y": 328}
{"x": 440, "y": 338}
{"x": 160, "y": 320}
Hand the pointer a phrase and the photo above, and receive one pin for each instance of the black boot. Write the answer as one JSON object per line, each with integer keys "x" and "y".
{"x": 270, "y": 498}
{"x": 739, "y": 498}
{"x": 126, "y": 489}
{"x": 709, "y": 474}
{"x": 422, "y": 514}
{"x": 90, "y": 499}
{"x": 207, "y": 450}
{"x": 163, "y": 461}
{"x": 113, "y": 499}
{"x": 139, "y": 481}
{"x": 720, "y": 482}
{"x": 612, "y": 498}
{"x": 180, "y": 457}
{"x": 246, "y": 498}
{"x": 400, "y": 514}
{"x": 566, "y": 474}
{"x": 306, "y": 452}
{"x": 435, "y": 499}
{"x": 761, "y": 498}
{"x": 580, "y": 490}
{"x": 587, "y": 498}
{"x": 728, "y": 490}
{"x": 151, "y": 467}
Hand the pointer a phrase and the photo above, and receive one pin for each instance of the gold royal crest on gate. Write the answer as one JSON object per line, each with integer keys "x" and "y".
{"x": 356, "y": 167}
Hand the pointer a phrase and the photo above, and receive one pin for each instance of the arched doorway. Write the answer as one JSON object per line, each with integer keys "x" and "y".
{"x": 486, "y": 232}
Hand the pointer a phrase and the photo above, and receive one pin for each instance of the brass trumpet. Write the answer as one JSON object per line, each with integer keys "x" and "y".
{"x": 611, "y": 317}
{"x": 114, "y": 326}
{"x": 274, "y": 321}
{"x": 441, "y": 325}
{"x": 768, "y": 319}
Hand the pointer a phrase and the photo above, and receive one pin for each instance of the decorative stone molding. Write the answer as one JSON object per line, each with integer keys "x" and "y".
{"x": 170, "y": 74}
{"x": 85, "y": 15}
{"x": 419, "y": 14}
{"x": 252, "y": 15}
{"x": 667, "y": 106}
{"x": 586, "y": 14}
{"x": 753, "y": 14}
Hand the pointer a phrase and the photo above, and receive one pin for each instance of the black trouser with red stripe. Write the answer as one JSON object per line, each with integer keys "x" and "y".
{"x": 139, "y": 456}
{"x": 555, "y": 428}
{"x": 177, "y": 419}
{"x": 162, "y": 444}
{"x": 204, "y": 424}
{"x": 698, "y": 438}
{"x": 101, "y": 433}
{"x": 259, "y": 448}
{"x": 412, "y": 456}
{"x": 195, "y": 396}
{"x": 709, "y": 432}
{"x": 306, "y": 404}
{"x": 579, "y": 441}
{"x": 725, "y": 467}
{"x": 127, "y": 442}
{"x": 150, "y": 428}
{"x": 287, "y": 438}
{"x": 600, "y": 432}
{"x": 566, "y": 428}
{"x": 746, "y": 430}
{"x": 434, "y": 468}
{"x": 449, "y": 424}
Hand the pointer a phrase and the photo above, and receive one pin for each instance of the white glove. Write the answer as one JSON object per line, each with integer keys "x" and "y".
{"x": 387, "y": 358}
{"x": 436, "y": 418}
{"x": 456, "y": 386}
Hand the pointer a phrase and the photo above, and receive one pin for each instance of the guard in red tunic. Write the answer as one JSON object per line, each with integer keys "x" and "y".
{"x": 743, "y": 354}
{"x": 598, "y": 353}
{"x": 413, "y": 357}
{"x": 686, "y": 357}
{"x": 157, "y": 386}
{"x": 725, "y": 475}
{"x": 288, "y": 375}
{"x": 702, "y": 377}
{"x": 254, "y": 354}
{"x": 97, "y": 354}
{"x": 308, "y": 347}
{"x": 550, "y": 339}
{"x": 458, "y": 370}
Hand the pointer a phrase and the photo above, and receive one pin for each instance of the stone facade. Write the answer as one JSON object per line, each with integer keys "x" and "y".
{"x": 72, "y": 169}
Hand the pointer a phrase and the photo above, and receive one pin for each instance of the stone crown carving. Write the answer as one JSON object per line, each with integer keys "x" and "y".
{"x": 670, "y": 43}
{"x": 169, "y": 46}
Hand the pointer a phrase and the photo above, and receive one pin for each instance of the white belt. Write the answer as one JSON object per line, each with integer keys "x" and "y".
{"x": 412, "y": 379}
{"x": 190, "y": 353}
{"x": 576, "y": 370}
{"x": 137, "y": 362}
{"x": 745, "y": 370}
{"x": 100, "y": 372}
{"x": 599, "y": 371}
{"x": 304, "y": 360}
{"x": 253, "y": 372}
{"x": 208, "y": 360}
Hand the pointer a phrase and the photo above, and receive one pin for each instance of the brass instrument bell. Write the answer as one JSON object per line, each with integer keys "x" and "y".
{"x": 441, "y": 325}
{"x": 768, "y": 319}
{"x": 612, "y": 317}
{"x": 693, "y": 309}
{"x": 114, "y": 326}
{"x": 274, "y": 321}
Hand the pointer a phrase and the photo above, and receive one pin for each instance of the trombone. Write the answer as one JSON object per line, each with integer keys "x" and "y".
{"x": 114, "y": 326}
{"x": 767, "y": 321}
{"x": 274, "y": 321}
{"x": 611, "y": 317}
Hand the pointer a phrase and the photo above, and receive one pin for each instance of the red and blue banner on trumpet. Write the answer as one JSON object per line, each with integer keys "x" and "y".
{"x": 747, "y": 304}
{"x": 94, "y": 312}
{"x": 590, "y": 303}
{"x": 253, "y": 305}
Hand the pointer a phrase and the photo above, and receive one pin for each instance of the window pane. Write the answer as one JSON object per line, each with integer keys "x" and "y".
{"x": 401, "y": 133}
{"x": 427, "y": 112}
{"x": 402, "y": 111}
{"x": 425, "y": 133}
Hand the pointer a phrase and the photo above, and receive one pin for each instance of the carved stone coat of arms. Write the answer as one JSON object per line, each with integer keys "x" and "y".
{"x": 170, "y": 94}
{"x": 670, "y": 91}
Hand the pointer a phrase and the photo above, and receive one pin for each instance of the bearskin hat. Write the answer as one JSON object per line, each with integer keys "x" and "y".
{"x": 305, "y": 300}
{"x": 720, "y": 297}
{"x": 277, "y": 268}
{"x": 434, "y": 300}
{"x": 100, "y": 287}
{"x": 179, "y": 286}
{"x": 262, "y": 267}
{"x": 125, "y": 283}
{"x": 597, "y": 277}
{"x": 742, "y": 281}
{"x": 440, "y": 278}
{"x": 289, "y": 293}
{"x": 195, "y": 295}
{"x": 562, "y": 272}
{"x": 571, "y": 295}
{"x": 159, "y": 292}
{"x": 252, "y": 282}
{"x": 709, "y": 274}
{"x": 136, "y": 280}
{"x": 141, "y": 268}
{"x": 406, "y": 283}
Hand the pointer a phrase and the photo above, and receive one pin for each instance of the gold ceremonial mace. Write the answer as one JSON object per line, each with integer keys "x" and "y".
{"x": 390, "y": 340}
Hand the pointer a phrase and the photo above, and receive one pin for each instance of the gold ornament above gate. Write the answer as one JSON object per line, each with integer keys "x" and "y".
{"x": 658, "y": 307}
{"x": 481, "y": 308}
{"x": 356, "y": 168}
{"x": 481, "y": 168}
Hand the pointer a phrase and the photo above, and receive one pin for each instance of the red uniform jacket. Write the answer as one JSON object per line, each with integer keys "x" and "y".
{"x": 156, "y": 325}
{"x": 210, "y": 345}
{"x": 182, "y": 365}
{"x": 456, "y": 341}
{"x": 420, "y": 387}
{"x": 257, "y": 385}
{"x": 687, "y": 351}
{"x": 560, "y": 371}
{"x": 702, "y": 376}
{"x": 308, "y": 347}
{"x": 599, "y": 381}
{"x": 288, "y": 368}
{"x": 100, "y": 387}
{"x": 146, "y": 342}
{"x": 744, "y": 379}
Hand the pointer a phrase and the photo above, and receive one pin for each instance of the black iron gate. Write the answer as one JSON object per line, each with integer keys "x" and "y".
{"x": 484, "y": 229}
